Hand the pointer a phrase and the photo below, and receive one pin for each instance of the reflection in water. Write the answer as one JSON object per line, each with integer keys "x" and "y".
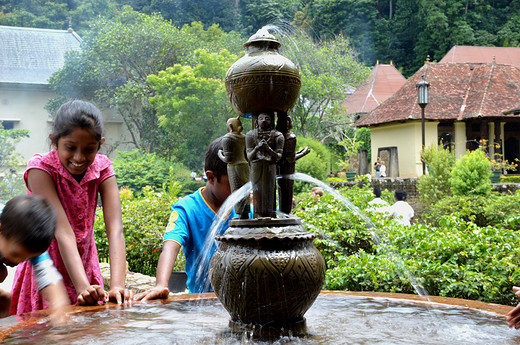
{"x": 362, "y": 320}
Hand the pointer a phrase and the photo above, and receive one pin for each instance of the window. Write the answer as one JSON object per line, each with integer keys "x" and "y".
{"x": 7, "y": 124}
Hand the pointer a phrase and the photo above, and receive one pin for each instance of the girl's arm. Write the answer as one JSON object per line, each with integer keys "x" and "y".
{"x": 116, "y": 241}
{"x": 39, "y": 182}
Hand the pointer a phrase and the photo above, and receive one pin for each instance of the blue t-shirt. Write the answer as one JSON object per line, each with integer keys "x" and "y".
{"x": 190, "y": 226}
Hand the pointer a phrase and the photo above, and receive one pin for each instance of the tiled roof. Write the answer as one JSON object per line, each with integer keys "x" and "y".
{"x": 457, "y": 92}
{"x": 31, "y": 56}
{"x": 383, "y": 82}
{"x": 501, "y": 55}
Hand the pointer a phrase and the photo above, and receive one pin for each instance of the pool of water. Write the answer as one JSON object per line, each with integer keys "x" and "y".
{"x": 333, "y": 319}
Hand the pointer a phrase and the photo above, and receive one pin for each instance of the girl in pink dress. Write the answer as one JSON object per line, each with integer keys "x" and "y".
{"x": 69, "y": 177}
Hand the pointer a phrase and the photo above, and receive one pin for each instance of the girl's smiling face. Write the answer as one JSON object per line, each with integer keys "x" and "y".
{"x": 77, "y": 150}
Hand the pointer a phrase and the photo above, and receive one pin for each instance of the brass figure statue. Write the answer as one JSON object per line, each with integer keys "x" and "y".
{"x": 264, "y": 147}
{"x": 233, "y": 153}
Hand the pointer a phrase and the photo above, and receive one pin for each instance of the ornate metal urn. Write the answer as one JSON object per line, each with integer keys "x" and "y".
{"x": 263, "y": 79}
{"x": 267, "y": 271}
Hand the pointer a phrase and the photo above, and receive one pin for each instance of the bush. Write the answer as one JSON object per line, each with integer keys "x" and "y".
{"x": 471, "y": 174}
{"x": 457, "y": 258}
{"x": 144, "y": 222}
{"x": 315, "y": 164}
{"x": 436, "y": 185}
{"x": 137, "y": 169}
{"x": 510, "y": 179}
{"x": 492, "y": 210}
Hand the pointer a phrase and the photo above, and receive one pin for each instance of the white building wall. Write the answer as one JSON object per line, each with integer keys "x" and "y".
{"x": 407, "y": 137}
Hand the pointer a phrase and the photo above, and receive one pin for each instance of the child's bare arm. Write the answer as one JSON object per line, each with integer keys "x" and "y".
{"x": 57, "y": 296}
{"x": 116, "y": 241}
{"x": 167, "y": 258}
{"x": 39, "y": 182}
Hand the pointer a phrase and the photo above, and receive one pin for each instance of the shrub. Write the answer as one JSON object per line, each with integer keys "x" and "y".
{"x": 137, "y": 169}
{"x": 457, "y": 258}
{"x": 510, "y": 179}
{"x": 435, "y": 185}
{"x": 144, "y": 221}
{"x": 316, "y": 163}
{"x": 492, "y": 210}
{"x": 471, "y": 174}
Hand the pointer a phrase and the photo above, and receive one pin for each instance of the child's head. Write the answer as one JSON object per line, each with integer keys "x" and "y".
{"x": 316, "y": 192}
{"x": 216, "y": 172}
{"x": 27, "y": 225}
{"x": 212, "y": 162}
{"x": 77, "y": 114}
{"x": 377, "y": 192}
{"x": 77, "y": 134}
{"x": 400, "y": 195}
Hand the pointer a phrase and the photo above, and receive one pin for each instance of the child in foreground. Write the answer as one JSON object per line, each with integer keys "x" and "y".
{"x": 27, "y": 226}
{"x": 70, "y": 178}
{"x": 189, "y": 228}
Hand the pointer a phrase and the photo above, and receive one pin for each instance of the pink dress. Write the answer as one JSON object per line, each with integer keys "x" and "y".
{"x": 79, "y": 201}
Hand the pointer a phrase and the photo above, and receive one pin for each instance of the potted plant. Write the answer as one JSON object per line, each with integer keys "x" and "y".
{"x": 499, "y": 165}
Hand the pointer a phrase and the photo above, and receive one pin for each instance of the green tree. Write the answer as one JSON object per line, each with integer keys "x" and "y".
{"x": 192, "y": 102}
{"x": 11, "y": 183}
{"x": 116, "y": 58}
{"x": 328, "y": 70}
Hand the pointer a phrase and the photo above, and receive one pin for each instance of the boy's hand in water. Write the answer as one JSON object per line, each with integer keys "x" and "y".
{"x": 513, "y": 317}
{"x": 157, "y": 292}
{"x": 92, "y": 295}
{"x": 120, "y": 295}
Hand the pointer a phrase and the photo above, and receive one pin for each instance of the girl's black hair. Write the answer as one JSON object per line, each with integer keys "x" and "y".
{"x": 30, "y": 221}
{"x": 77, "y": 114}
{"x": 213, "y": 162}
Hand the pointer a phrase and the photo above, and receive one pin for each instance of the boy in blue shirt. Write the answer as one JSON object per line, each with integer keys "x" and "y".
{"x": 189, "y": 228}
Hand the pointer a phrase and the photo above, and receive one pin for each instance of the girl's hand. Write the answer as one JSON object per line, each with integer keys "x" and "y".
{"x": 92, "y": 295}
{"x": 121, "y": 295}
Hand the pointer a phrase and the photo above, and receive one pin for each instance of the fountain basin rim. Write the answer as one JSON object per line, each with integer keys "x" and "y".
{"x": 499, "y": 309}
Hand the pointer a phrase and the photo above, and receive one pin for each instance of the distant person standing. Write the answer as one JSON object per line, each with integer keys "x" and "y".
{"x": 382, "y": 169}
{"x": 377, "y": 166}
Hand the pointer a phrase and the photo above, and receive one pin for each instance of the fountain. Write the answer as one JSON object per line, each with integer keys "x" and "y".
{"x": 267, "y": 271}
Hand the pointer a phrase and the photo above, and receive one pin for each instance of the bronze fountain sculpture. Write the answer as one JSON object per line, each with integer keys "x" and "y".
{"x": 267, "y": 272}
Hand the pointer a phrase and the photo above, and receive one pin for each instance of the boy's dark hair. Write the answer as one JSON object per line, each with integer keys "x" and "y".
{"x": 400, "y": 195}
{"x": 77, "y": 114}
{"x": 377, "y": 192}
{"x": 213, "y": 162}
{"x": 30, "y": 221}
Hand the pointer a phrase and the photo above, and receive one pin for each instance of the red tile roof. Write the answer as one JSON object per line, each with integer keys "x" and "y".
{"x": 501, "y": 55}
{"x": 457, "y": 92}
{"x": 383, "y": 82}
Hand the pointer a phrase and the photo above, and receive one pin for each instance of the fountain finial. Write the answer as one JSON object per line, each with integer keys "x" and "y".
{"x": 262, "y": 35}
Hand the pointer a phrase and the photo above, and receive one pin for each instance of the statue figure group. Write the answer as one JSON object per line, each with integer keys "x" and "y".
{"x": 258, "y": 157}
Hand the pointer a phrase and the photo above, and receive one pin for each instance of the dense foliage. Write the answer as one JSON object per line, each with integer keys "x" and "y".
{"x": 436, "y": 184}
{"x": 11, "y": 183}
{"x": 403, "y": 31}
{"x": 458, "y": 258}
{"x": 144, "y": 221}
{"x": 137, "y": 170}
{"x": 117, "y": 57}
